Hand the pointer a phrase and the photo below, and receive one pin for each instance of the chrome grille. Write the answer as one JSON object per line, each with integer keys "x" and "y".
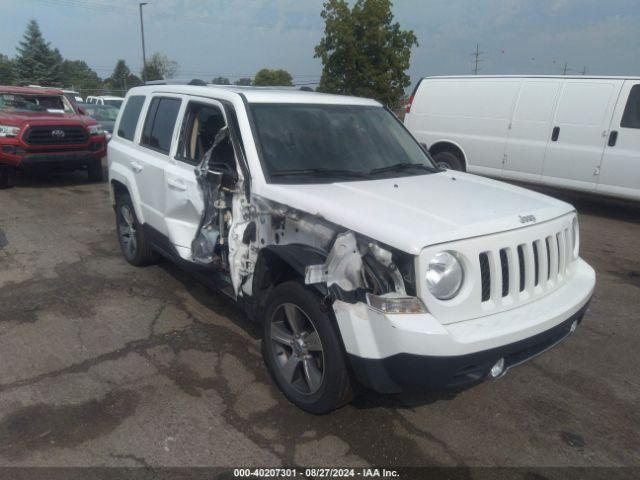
{"x": 55, "y": 135}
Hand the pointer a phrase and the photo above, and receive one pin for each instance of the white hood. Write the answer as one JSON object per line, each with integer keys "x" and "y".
{"x": 411, "y": 213}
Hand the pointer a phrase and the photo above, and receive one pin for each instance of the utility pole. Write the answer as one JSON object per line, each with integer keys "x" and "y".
{"x": 584, "y": 71}
{"x": 477, "y": 54}
{"x": 565, "y": 69}
{"x": 144, "y": 54}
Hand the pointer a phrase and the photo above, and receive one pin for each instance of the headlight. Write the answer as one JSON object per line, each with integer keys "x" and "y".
{"x": 9, "y": 131}
{"x": 96, "y": 129}
{"x": 395, "y": 304}
{"x": 576, "y": 237}
{"x": 444, "y": 275}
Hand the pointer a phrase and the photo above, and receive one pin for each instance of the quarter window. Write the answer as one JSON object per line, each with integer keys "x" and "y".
{"x": 631, "y": 115}
{"x": 160, "y": 122}
{"x": 130, "y": 115}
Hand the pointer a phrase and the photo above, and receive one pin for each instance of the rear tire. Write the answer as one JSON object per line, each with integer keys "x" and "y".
{"x": 133, "y": 243}
{"x": 94, "y": 170}
{"x": 448, "y": 161}
{"x": 303, "y": 350}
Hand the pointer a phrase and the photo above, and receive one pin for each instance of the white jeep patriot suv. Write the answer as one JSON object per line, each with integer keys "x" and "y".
{"x": 326, "y": 221}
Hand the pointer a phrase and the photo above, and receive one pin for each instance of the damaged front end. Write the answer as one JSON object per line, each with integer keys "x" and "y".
{"x": 256, "y": 243}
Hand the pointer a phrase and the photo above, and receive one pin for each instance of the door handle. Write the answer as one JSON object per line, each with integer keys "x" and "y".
{"x": 613, "y": 138}
{"x": 136, "y": 167}
{"x": 555, "y": 134}
{"x": 176, "y": 184}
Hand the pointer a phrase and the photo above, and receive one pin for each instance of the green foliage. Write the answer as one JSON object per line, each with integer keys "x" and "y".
{"x": 36, "y": 62}
{"x": 78, "y": 75}
{"x": 364, "y": 52}
{"x": 122, "y": 79}
{"x": 7, "y": 76}
{"x": 221, "y": 81}
{"x": 244, "y": 82}
{"x": 266, "y": 77}
{"x": 159, "y": 67}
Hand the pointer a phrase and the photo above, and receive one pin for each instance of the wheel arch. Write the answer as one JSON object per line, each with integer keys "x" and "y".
{"x": 277, "y": 264}
{"x": 452, "y": 147}
{"x": 119, "y": 184}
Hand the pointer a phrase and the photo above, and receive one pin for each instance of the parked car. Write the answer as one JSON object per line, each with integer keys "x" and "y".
{"x": 39, "y": 128}
{"x": 106, "y": 100}
{"x": 324, "y": 219}
{"x": 105, "y": 114}
{"x": 580, "y": 133}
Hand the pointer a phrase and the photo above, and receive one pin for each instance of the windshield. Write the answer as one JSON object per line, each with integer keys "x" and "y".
{"x": 16, "y": 102}
{"x": 318, "y": 143}
{"x": 102, "y": 113}
{"x": 113, "y": 103}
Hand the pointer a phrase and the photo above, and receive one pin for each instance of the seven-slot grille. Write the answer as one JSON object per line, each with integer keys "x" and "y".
{"x": 522, "y": 268}
{"x": 55, "y": 135}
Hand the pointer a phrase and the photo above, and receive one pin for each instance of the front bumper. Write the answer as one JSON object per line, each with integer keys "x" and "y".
{"x": 390, "y": 353}
{"x": 54, "y": 160}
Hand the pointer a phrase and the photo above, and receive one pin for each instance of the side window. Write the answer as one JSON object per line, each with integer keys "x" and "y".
{"x": 199, "y": 128}
{"x": 130, "y": 115}
{"x": 160, "y": 122}
{"x": 631, "y": 115}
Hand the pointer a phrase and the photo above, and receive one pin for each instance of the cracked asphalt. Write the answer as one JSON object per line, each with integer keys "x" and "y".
{"x": 105, "y": 364}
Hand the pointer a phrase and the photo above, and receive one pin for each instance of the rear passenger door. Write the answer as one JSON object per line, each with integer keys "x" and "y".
{"x": 201, "y": 119}
{"x": 620, "y": 170}
{"x": 579, "y": 133}
{"x": 153, "y": 154}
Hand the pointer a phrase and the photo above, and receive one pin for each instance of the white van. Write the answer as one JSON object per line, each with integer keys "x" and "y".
{"x": 106, "y": 100}
{"x": 581, "y": 133}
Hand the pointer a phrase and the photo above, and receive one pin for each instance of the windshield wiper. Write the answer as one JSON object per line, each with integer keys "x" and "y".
{"x": 398, "y": 167}
{"x": 322, "y": 172}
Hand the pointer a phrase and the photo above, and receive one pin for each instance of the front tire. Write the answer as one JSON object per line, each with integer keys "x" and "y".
{"x": 94, "y": 171}
{"x": 4, "y": 177}
{"x": 133, "y": 243}
{"x": 303, "y": 351}
{"x": 447, "y": 161}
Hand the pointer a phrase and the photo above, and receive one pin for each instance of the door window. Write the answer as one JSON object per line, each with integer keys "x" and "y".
{"x": 130, "y": 116}
{"x": 160, "y": 122}
{"x": 200, "y": 126}
{"x": 631, "y": 115}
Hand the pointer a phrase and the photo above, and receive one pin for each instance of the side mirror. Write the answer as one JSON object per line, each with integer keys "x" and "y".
{"x": 424, "y": 147}
{"x": 81, "y": 111}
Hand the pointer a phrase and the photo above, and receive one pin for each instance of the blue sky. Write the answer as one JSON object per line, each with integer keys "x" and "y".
{"x": 236, "y": 38}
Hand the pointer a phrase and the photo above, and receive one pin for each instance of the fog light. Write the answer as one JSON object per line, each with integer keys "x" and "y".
{"x": 574, "y": 325}
{"x": 497, "y": 369}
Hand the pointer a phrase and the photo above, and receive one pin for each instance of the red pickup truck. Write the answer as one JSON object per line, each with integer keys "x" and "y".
{"x": 40, "y": 129}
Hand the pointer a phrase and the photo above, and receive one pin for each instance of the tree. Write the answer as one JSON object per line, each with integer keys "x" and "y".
{"x": 7, "y": 76}
{"x": 243, "y": 82}
{"x": 36, "y": 62}
{"x": 266, "y": 77}
{"x": 364, "y": 52}
{"x": 77, "y": 74}
{"x": 159, "y": 67}
{"x": 122, "y": 79}
{"x": 221, "y": 81}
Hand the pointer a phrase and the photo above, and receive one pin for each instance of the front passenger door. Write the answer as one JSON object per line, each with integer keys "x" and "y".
{"x": 201, "y": 120}
{"x": 620, "y": 170}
